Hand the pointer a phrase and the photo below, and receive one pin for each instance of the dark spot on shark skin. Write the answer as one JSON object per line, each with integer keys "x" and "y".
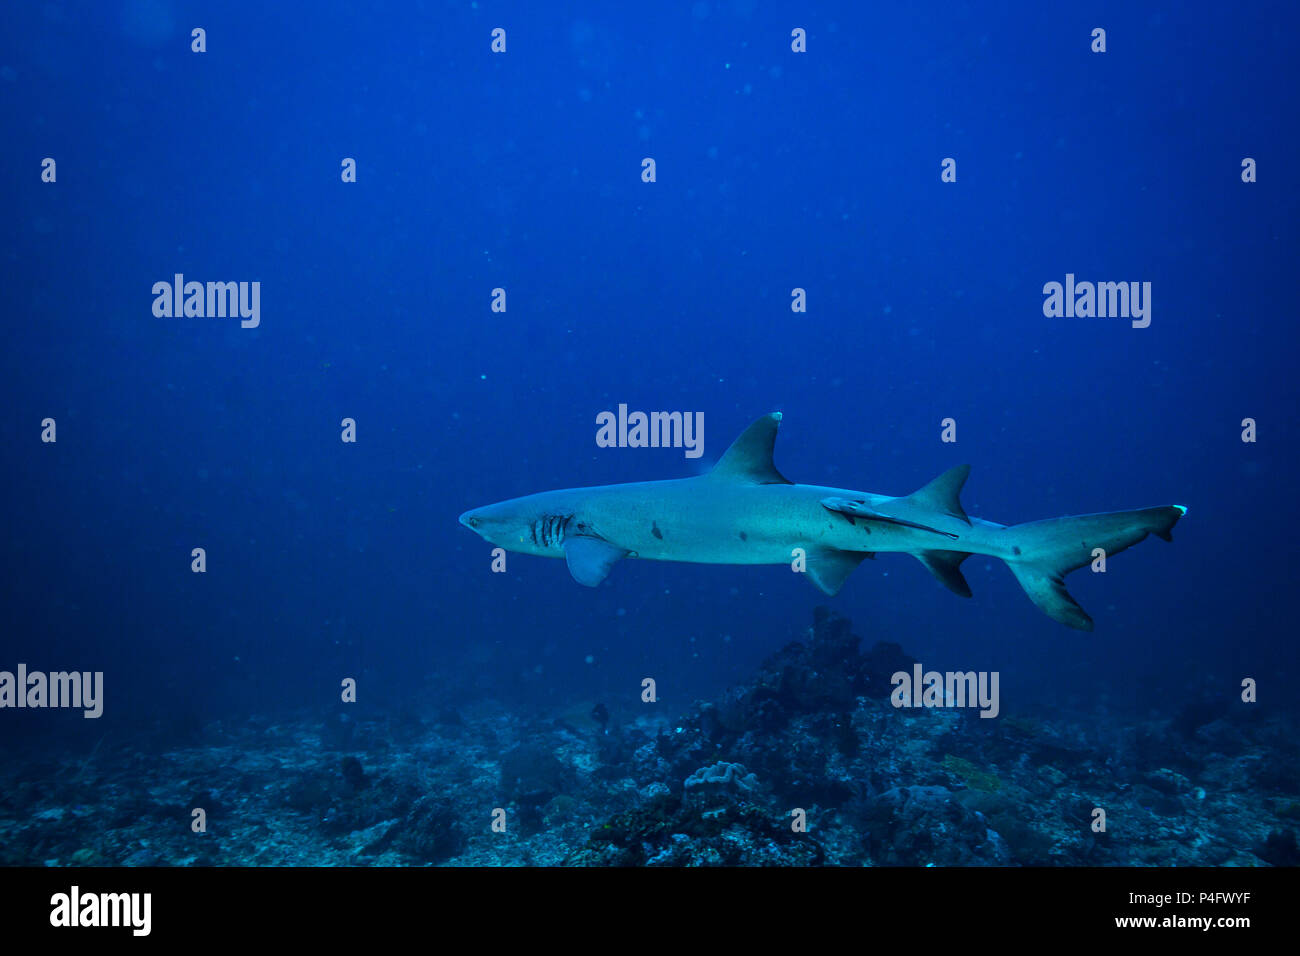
{"x": 654, "y": 530}
{"x": 743, "y": 536}
{"x": 1015, "y": 550}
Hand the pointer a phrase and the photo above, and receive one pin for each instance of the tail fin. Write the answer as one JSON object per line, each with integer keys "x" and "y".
{"x": 1045, "y": 551}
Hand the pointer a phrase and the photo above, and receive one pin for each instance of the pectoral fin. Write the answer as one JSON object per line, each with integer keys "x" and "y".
{"x": 590, "y": 559}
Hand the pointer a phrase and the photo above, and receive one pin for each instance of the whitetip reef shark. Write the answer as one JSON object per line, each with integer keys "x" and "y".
{"x": 744, "y": 511}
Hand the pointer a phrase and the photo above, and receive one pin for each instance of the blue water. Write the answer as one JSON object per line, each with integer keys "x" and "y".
{"x": 522, "y": 171}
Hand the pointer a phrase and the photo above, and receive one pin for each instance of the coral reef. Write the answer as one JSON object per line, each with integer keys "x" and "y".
{"x": 805, "y": 763}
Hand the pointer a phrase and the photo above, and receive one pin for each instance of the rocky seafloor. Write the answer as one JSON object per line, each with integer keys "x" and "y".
{"x": 722, "y": 784}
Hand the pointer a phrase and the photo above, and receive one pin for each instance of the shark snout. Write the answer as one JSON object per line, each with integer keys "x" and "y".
{"x": 471, "y": 520}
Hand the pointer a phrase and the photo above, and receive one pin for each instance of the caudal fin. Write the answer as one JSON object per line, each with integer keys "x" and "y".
{"x": 1043, "y": 552}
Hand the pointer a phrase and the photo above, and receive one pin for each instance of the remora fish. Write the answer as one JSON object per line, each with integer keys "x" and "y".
{"x": 744, "y": 511}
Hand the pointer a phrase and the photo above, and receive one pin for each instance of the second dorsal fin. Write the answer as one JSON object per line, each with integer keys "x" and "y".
{"x": 942, "y": 494}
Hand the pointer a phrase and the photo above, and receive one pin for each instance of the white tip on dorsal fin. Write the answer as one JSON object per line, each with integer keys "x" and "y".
{"x": 942, "y": 494}
{"x": 749, "y": 459}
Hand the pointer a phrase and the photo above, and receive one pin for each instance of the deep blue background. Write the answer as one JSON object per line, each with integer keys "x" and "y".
{"x": 522, "y": 170}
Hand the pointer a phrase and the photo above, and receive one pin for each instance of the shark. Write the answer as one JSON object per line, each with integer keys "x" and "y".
{"x": 744, "y": 512}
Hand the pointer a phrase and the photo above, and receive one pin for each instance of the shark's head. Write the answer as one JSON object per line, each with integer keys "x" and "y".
{"x": 521, "y": 524}
{"x": 491, "y": 522}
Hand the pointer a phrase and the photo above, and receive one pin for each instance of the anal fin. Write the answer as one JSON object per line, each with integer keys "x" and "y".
{"x": 946, "y": 566}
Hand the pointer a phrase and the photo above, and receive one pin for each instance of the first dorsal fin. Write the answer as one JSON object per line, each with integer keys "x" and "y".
{"x": 749, "y": 459}
{"x": 942, "y": 494}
